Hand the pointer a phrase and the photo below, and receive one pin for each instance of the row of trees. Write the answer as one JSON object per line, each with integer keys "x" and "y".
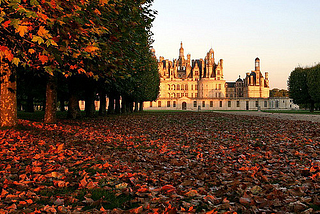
{"x": 77, "y": 47}
{"x": 275, "y": 92}
{"x": 304, "y": 86}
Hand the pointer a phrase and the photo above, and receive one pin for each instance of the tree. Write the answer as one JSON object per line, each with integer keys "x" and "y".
{"x": 298, "y": 87}
{"x": 313, "y": 82}
{"x": 279, "y": 93}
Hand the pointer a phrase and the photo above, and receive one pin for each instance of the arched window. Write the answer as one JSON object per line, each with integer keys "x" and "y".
{"x": 182, "y": 87}
{"x": 186, "y": 87}
{"x": 178, "y": 87}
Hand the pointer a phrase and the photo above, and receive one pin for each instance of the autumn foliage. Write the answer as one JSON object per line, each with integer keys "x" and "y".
{"x": 161, "y": 163}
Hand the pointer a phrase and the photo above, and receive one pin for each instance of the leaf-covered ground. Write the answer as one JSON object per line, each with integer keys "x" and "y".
{"x": 186, "y": 162}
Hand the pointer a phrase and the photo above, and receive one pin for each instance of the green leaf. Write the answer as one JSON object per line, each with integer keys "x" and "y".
{"x": 37, "y": 39}
{"x": 16, "y": 61}
{"x": 34, "y": 2}
{"x": 15, "y": 23}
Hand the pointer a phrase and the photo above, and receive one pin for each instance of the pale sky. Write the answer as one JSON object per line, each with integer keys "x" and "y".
{"x": 284, "y": 34}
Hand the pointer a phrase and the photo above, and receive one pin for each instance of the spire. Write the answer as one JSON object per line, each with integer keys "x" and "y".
{"x": 181, "y": 52}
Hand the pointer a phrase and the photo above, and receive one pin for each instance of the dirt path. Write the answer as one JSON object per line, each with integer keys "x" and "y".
{"x": 282, "y": 116}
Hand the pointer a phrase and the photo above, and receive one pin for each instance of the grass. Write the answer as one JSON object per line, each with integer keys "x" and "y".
{"x": 292, "y": 112}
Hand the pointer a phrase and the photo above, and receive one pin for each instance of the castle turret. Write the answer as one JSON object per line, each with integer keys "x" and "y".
{"x": 181, "y": 52}
{"x": 257, "y": 64}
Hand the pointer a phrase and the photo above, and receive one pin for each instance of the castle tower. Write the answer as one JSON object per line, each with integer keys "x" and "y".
{"x": 257, "y": 64}
{"x": 181, "y": 52}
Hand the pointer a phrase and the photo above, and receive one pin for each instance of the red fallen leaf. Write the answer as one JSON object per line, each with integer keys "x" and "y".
{"x": 192, "y": 193}
{"x": 50, "y": 209}
{"x": 83, "y": 183}
{"x": 60, "y": 147}
{"x": 29, "y": 201}
{"x": 102, "y": 209}
{"x": 12, "y": 207}
{"x": 60, "y": 183}
{"x": 3, "y": 193}
{"x": 142, "y": 190}
{"x": 92, "y": 185}
{"x": 36, "y": 169}
{"x": 212, "y": 212}
{"x": 22, "y": 203}
{"x": 168, "y": 188}
{"x": 136, "y": 210}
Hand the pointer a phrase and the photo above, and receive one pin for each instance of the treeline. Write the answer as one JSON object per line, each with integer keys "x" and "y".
{"x": 71, "y": 50}
{"x": 275, "y": 92}
{"x": 304, "y": 86}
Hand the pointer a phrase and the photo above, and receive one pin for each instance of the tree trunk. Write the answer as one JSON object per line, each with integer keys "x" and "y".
{"x": 8, "y": 97}
{"x": 89, "y": 102}
{"x": 141, "y": 106}
{"x": 118, "y": 107}
{"x": 124, "y": 105}
{"x": 62, "y": 105}
{"x": 51, "y": 100}
{"x": 111, "y": 104}
{"x": 103, "y": 104}
{"x": 312, "y": 107}
{"x": 29, "y": 105}
{"x": 73, "y": 106}
{"x": 130, "y": 107}
{"x": 136, "y": 106}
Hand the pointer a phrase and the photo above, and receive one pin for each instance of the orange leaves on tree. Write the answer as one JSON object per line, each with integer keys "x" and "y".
{"x": 91, "y": 49}
{"x": 22, "y": 30}
{"x": 42, "y": 32}
{"x": 43, "y": 58}
{"x": 6, "y": 53}
{"x": 6, "y": 23}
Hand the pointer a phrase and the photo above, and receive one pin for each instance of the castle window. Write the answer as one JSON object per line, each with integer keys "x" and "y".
{"x": 168, "y": 103}
{"x": 191, "y": 94}
{"x": 219, "y": 87}
{"x": 196, "y": 73}
{"x": 211, "y": 103}
{"x": 182, "y": 87}
{"x": 229, "y": 104}
{"x": 151, "y": 104}
{"x": 231, "y": 95}
{"x": 220, "y": 103}
{"x": 257, "y": 103}
{"x": 186, "y": 94}
{"x": 196, "y": 95}
{"x": 178, "y": 95}
{"x": 265, "y": 104}
{"x": 178, "y": 87}
{"x": 203, "y": 103}
{"x": 186, "y": 87}
{"x": 191, "y": 87}
{"x": 159, "y": 103}
{"x": 238, "y": 103}
{"x": 194, "y": 103}
{"x": 277, "y": 104}
{"x": 196, "y": 87}
{"x": 174, "y": 104}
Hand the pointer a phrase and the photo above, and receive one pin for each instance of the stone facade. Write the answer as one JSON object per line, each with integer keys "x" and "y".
{"x": 203, "y": 78}
{"x": 185, "y": 82}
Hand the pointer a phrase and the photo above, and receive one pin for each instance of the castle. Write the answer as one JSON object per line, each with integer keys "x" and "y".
{"x": 199, "y": 85}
